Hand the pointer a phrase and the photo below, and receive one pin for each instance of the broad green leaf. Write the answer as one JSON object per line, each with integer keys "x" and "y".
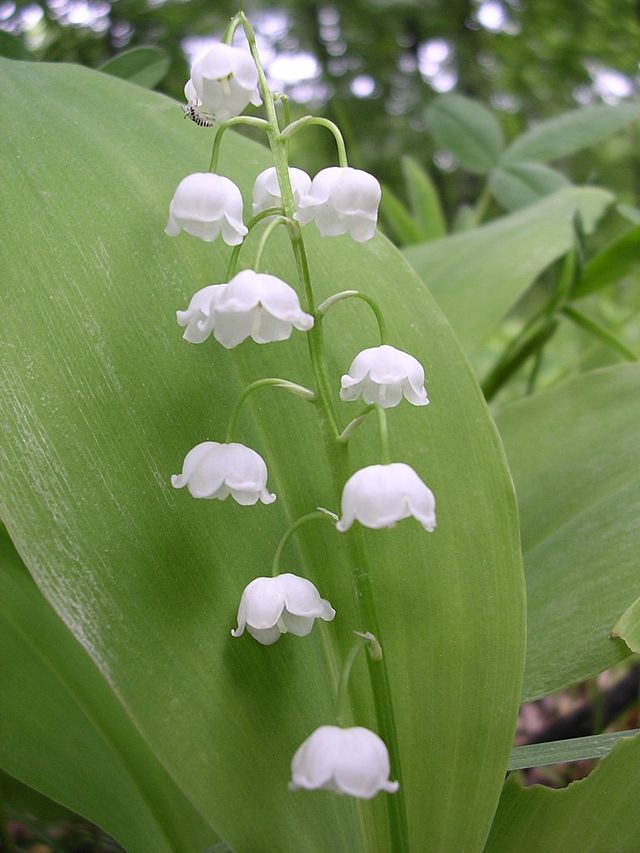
{"x": 611, "y": 264}
{"x": 398, "y": 221}
{"x": 12, "y": 47}
{"x": 522, "y": 184}
{"x": 593, "y": 815}
{"x": 575, "y": 459}
{"x": 145, "y": 66}
{"x": 19, "y": 800}
{"x": 65, "y": 734}
{"x": 468, "y": 130}
{"x": 560, "y": 751}
{"x": 101, "y": 401}
{"x": 478, "y": 275}
{"x": 628, "y": 627}
{"x": 570, "y": 132}
{"x": 425, "y": 201}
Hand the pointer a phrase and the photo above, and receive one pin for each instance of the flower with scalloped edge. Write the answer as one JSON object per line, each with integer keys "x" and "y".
{"x": 353, "y": 761}
{"x": 266, "y": 189}
{"x": 278, "y": 605}
{"x": 380, "y": 495}
{"x": 205, "y": 205}
{"x": 223, "y": 81}
{"x": 256, "y": 305}
{"x": 212, "y": 470}
{"x": 382, "y": 375}
{"x": 342, "y": 200}
{"x": 196, "y": 318}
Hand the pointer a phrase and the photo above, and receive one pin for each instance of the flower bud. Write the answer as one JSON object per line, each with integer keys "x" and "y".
{"x": 342, "y": 200}
{"x": 206, "y": 205}
{"x": 266, "y": 189}
{"x": 285, "y": 603}
{"x": 352, "y": 761}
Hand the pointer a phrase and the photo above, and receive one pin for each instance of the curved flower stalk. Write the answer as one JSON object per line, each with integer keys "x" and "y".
{"x": 223, "y": 82}
{"x": 214, "y": 471}
{"x": 206, "y": 205}
{"x": 271, "y": 606}
{"x": 352, "y": 761}
{"x": 266, "y": 189}
{"x": 342, "y": 200}
{"x": 382, "y": 375}
{"x": 381, "y": 495}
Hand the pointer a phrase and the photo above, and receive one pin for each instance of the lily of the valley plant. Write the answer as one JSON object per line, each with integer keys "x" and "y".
{"x": 339, "y": 200}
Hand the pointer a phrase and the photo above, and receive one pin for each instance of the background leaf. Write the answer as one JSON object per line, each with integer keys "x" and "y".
{"x": 468, "y": 130}
{"x": 102, "y": 400}
{"x": 425, "y": 202}
{"x": 522, "y": 184}
{"x": 65, "y": 734}
{"x": 570, "y": 132}
{"x": 476, "y": 276}
{"x": 611, "y": 264}
{"x": 145, "y": 66}
{"x": 398, "y": 221}
{"x": 560, "y": 751}
{"x": 575, "y": 457}
{"x": 592, "y": 815}
{"x": 628, "y": 627}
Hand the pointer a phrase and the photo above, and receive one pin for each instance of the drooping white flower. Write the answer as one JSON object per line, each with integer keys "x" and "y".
{"x": 382, "y": 375}
{"x": 342, "y": 200}
{"x": 206, "y": 205}
{"x": 285, "y": 603}
{"x": 223, "y": 81}
{"x": 197, "y": 317}
{"x": 380, "y": 495}
{"x": 352, "y": 761}
{"x": 266, "y": 189}
{"x": 259, "y": 306}
{"x": 213, "y": 470}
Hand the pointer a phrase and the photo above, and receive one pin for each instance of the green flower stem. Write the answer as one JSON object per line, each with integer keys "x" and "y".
{"x": 337, "y": 457}
{"x": 235, "y": 254}
{"x": 599, "y": 332}
{"x": 384, "y": 434}
{"x": 249, "y": 121}
{"x": 343, "y": 715}
{"x": 353, "y": 425}
{"x": 320, "y": 513}
{"x": 292, "y": 387}
{"x": 357, "y": 294}
{"x": 307, "y": 121}
{"x": 278, "y": 220}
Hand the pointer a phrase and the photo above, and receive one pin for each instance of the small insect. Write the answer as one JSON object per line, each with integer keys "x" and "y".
{"x": 199, "y": 118}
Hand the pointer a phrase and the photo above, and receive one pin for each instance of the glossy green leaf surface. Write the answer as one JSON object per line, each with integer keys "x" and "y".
{"x": 476, "y": 276}
{"x": 628, "y": 627}
{"x": 522, "y": 184}
{"x": 593, "y": 815}
{"x": 611, "y": 264}
{"x": 570, "y": 132}
{"x": 575, "y": 459}
{"x": 145, "y": 66}
{"x": 65, "y": 734}
{"x": 103, "y": 399}
{"x": 468, "y": 130}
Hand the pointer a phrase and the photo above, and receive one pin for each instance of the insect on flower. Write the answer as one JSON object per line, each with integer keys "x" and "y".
{"x": 197, "y": 116}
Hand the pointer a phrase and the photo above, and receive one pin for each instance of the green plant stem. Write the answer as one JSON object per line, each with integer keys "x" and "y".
{"x": 357, "y": 294}
{"x": 353, "y": 425}
{"x": 235, "y": 254}
{"x": 599, "y": 332}
{"x": 264, "y": 237}
{"x": 343, "y": 715}
{"x": 292, "y": 387}
{"x": 523, "y": 349}
{"x": 249, "y": 121}
{"x": 482, "y": 205}
{"x": 384, "y": 434}
{"x": 308, "y": 121}
{"x": 337, "y": 458}
{"x": 311, "y": 516}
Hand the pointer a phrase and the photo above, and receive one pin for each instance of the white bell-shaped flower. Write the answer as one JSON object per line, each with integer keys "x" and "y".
{"x": 380, "y": 495}
{"x": 197, "y": 317}
{"x": 214, "y": 471}
{"x": 382, "y": 375}
{"x": 259, "y": 306}
{"x": 285, "y": 603}
{"x": 266, "y": 189}
{"x": 206, "y": 205}
{"x": 352, "y": 761}
{"x": 342, "y": 200}
{"x": 223, "y": 81}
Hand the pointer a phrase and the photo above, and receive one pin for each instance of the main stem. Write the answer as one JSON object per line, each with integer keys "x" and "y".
{"x": 338, "y": 459}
